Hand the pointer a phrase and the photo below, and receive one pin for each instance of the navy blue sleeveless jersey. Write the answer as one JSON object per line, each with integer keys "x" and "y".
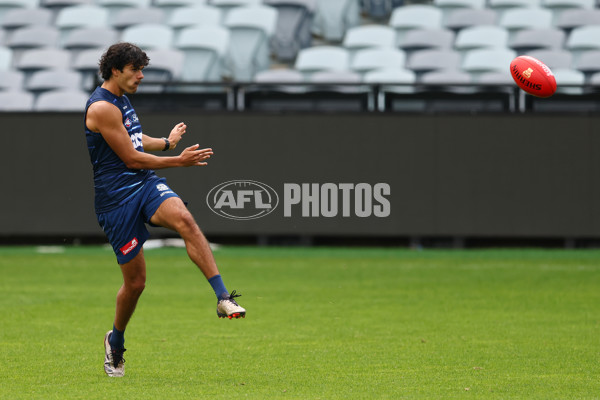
{"x": 114, "y": 183}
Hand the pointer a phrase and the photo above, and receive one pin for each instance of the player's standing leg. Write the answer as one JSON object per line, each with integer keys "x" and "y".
{"x": 173, "y": 214}
{"x": 134, "y": 282}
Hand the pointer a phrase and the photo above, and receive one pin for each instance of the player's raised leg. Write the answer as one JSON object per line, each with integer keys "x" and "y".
{"x": 173, "y": 214}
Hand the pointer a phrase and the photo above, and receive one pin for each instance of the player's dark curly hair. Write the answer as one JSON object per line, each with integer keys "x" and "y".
{"x": 119, "y": 55}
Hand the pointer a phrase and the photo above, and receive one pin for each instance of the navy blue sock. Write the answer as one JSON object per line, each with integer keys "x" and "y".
{"x": 117, "y": 340}
{"x": 218, "y": 286}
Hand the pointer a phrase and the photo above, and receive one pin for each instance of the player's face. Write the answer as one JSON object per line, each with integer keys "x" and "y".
{"x": 130, "y": 78}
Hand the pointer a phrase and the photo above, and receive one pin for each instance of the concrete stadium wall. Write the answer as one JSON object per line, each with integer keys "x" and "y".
{"x": 422, "y": 175}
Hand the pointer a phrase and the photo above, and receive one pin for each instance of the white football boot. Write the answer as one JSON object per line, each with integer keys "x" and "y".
{"x": 229, "y": 308}
{"x": 113, "y": 359}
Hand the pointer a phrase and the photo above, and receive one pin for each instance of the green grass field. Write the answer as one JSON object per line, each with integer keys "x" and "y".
{"x": 322, "y": 324}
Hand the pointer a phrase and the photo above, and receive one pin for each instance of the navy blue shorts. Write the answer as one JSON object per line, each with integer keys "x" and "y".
{"x": 125, "y": 226}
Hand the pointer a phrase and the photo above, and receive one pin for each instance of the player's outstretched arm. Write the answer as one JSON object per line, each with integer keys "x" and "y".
{"x": 105, "y": 118}
{"x": 158, "y": 144}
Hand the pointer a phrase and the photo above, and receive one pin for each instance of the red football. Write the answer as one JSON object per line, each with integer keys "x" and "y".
{"x": 533, "y": 76}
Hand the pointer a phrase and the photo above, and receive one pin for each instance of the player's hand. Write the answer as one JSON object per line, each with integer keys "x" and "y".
{"x": 193, "y": 156}
{"x": 176, "y": 133}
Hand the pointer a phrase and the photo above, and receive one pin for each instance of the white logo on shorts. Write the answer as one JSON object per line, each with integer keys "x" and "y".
{"x": 162, "y": 187}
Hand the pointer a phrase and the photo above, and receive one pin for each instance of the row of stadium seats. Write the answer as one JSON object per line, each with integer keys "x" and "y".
{"x": 199, "y": 55}
{"x": 375, "y": 65}
{"x": 54, "y": 100}
{"x": 59, "y": 30}
{"x": 381, "y": 9}
{"x": 291, "y": 28}
{"x": 55, "y": 45}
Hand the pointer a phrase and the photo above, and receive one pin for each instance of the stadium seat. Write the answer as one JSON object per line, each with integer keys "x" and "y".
{"x": 595, "y": 80}
{"x": 6, "y": 59}
{"x": 361, "y": 37}
{"x": 467, "y": 17}
{"x": 148, "y": 15}
{"x": 532, "y": 39}
{"x": 34, "y": 37}
{"x": 322, "y": 58}
{"x": 449, "y": 6}
{"x": 177, "y": 3}
{"x": 86, "y": 62}
{"x": 454, "y": 4}
{"x": 496, "y": 78}
{"x": 516, "y": 19}
{"x": 479, "y": 61}
{"x": 433, "y": 60}
{"x": 339, "y": 90}
{"x": 149, "y": 36}
{"x": 566, "y": 4}
{"x": 114, "y": 6}
{"x": 204, "y": 49}
{"x": 8, "y": 5}
{"x": 338, "y": 82}
{"x": 446, "y": 77}
{"x": 576, "y": 17}
{"x": 11, "y": 80}
{"x": 500, "y": 86}
{"x": 61, "y": 100}
{"x": 588, "y": 62}
{"x": 554, "y": 59}
{"x": 41, "y": 59}
{"x": 166, "y": 66}
{"x": 120, "y": 4}
{"x": 57, "y": 5}
{"x": 333, "y": 18}
{"x": 293, "y": 29}
{"x": 274, "y": 81}
{"x": 415, "y": 16}
{"x": 187, "y": 17}
{"x": 390, "y": 76}
{"x": 582, "y": 39}
{"x": 19, "y": 3}
{"x": 569, "y": 77}
{"x": 335, "y": 77}
{"x": 393, "y": 81}
{"x": 169, "y": 6}
{"x": 421, "y": 39}
{"x": 16, "y": 100}
{"x": 83, "y": 16}
{"x": 377, "y": 58}
{"x": 272, "y": 85}
{"x": 54, "y": 79}
{"x": 478, "y": 37}
{"x": 89, "y": 38}
{"x": 22, "y": 17}
{"x": 378, "y": 9}
{"x": 457, "y": 82}
{"x": 280, "y": 75}
{"x": 251, "y": 29}
{"x": 502, "y": 5}
{"x": 226, "y": 5}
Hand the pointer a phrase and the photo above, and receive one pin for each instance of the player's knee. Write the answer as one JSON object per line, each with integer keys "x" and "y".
{"x": 186, "y": 223}
{"x": 139, "y": 288}
{"x": 136, "y": 286}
